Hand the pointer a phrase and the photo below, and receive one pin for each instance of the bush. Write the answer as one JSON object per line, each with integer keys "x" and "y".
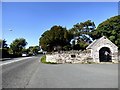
{"x": 4, "y": 53}
{"x": 67, "y": 48}
{"x": 43, "y": 59}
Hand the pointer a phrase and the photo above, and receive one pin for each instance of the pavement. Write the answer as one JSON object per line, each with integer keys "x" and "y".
{"x": 31, "y": 73}
{"x": 12, "y": 60}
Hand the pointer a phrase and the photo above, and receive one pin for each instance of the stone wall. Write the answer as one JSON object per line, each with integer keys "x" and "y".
{"x": 69, "y": 57}
{"x": 72, "y": 57}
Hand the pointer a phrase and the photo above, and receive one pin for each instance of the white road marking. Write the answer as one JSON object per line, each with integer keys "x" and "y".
{"x": 12, "y": 61}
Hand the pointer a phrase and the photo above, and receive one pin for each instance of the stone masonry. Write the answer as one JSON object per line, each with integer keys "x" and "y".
{"x": 92, "y": 54}
{"x": 69, "y": 57}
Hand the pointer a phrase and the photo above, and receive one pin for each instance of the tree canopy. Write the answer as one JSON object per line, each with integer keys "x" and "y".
{"x": 83, "y": 27}
{"x": 3, "y": 49}
{"x": 33, "y": 50}
{"x": 3, "y": 43}
{"x": 57, "y": 36}
{"x": 109, "y": 28}
{"x": 17, "y": 45}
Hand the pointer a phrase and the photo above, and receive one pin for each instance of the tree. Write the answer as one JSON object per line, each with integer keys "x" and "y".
{"x": 109, "y": 28}
{"x": 3, "y": 49}
{"x": 80, "y": 45}
{"x": 57, "y": 36}
{"x": 3, "y": 43}
{"x": 33, "y": 50}
{"x": 84, "y": 27}
{"x": 82, "y": 31}
{"x": 24, "y": 50}
{"x": 83, "y": 45}
{"x": 17, "y": 45}
{"x": 67, "y": 48}
{"x": 30, "y": 50}
{"x": 36, "y": 49}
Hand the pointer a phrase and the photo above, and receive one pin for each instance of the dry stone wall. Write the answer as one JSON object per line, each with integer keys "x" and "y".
{"x": 69, "y": 57}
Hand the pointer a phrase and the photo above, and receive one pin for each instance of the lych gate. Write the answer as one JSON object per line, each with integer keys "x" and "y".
{"x": 103, "y": 50}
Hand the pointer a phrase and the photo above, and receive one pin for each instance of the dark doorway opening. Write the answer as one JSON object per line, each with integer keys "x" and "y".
{"x": 105, "y": 55}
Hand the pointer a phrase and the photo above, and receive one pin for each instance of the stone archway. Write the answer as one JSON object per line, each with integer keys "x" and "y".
{"x": 105, "y": 55}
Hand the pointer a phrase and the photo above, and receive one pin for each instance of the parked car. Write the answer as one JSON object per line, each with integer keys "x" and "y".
{"x": 24, "y": 54}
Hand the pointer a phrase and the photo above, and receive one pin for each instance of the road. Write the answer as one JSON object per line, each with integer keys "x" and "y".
{"x": 30, "y": 73}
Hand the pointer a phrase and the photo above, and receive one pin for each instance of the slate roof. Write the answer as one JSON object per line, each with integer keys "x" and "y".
{"x": 94, "y": 43}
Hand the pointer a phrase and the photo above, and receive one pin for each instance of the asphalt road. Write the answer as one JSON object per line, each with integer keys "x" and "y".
{"x": 31, "y": 73}
{"x": 18, "y": 74}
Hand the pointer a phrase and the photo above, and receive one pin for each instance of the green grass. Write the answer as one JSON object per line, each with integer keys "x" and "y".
{"x": 43, "y": 60}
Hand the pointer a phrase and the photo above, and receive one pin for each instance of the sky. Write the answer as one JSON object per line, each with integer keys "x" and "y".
{"x": 30, "y": 20}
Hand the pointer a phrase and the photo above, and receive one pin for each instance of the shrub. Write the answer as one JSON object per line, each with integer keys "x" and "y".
{"x": 43, "y": 59}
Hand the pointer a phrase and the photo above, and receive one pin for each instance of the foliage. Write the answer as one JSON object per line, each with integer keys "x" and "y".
{"x": 76, "y": 47}
{"x": 17, "y": 45}
{"x": 83, "y": 28}
{"x": 4, "y": 49}
{"x": 25, "y": 50}
{"x": 67, "y": 47}
{"x": 81, "y": 45}
{"x": 36, "y": 49}
{"x": 56, "y": 36}
{"x": 109, "y": 28}
{"x": 3, "y": 43}
{"x": 4, "y": 53}
{"x": 43, "y": 59}
{"x": 33, "y": 49}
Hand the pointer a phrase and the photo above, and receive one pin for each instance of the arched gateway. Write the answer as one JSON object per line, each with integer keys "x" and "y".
{"x": 105, "y": 55}
{"x": 103, "y": 50}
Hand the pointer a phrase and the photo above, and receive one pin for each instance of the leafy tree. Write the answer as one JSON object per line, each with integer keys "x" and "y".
{"x": 59, "y": 36}
{"x": 109, "y": 28}
{"x": 30, "y": 50}
{"x": 17, "y": 45}
{"x": 36, "y": 49}
{"x": 3, "y": 49}
{"x": 33, "y": 50}
{"x": 76, "y": 47}
{"x": 3, "y": 43}
{"x": 56, "y": 36}
{"x": 67, "y": 47}
{"x": 24, "y": 50}
{"x": 84, "y": 27}
{"x": 83, "y": 45}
